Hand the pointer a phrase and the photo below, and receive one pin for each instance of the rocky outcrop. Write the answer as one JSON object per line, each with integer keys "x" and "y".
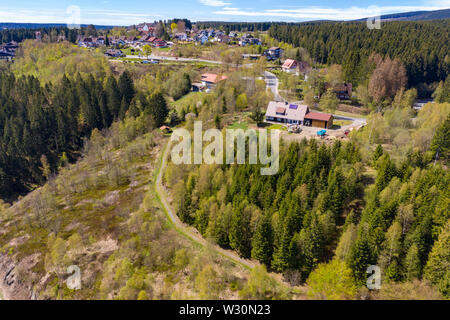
{"x": 11, "y": 287}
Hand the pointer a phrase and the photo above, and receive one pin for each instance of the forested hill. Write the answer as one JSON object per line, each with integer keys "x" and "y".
{"x": 418, "y": 15}
{"x": 422, "y": 47}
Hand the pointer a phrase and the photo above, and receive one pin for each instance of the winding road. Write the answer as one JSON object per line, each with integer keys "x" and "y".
{"x": 184, "y": 229}
{"x": 273, "y": 83}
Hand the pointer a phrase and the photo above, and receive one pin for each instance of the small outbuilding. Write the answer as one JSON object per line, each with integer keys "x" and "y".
{"x": 319, "y": 120}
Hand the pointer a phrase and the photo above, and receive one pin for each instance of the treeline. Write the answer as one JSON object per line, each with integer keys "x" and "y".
{"x": 42, "y": 127}
{"x": 51, "y": 34}
{"x": 422, "y": 47}
{"x": 235, "y": 26}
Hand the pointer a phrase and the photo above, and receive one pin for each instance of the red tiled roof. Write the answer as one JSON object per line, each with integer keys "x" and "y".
{"x": 281, "y": 110}
{"x": 211, "y": 77}
{"x": 289, "y": 63}
{"x": 318, "y": 116}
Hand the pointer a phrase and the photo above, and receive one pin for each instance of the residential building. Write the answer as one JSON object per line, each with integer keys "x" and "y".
{"x": 343, "y": 90}
{"x": 113, "y": 53}
{"x": 290, "y": 66}
{"x": 295, "y": 114}
{"x": 286, "y": 113}
{"x": 211, "y": 79}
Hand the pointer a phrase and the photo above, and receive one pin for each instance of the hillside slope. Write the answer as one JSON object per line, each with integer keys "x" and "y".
{"x": 101, "y": 214}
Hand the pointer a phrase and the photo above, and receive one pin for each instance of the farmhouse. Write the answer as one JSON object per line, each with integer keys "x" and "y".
{"x": 284, "y": 112}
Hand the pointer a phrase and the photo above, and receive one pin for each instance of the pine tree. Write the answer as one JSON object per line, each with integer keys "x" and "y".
{"x": 359, "y": 260}
{"x": 262, "y": 241}
{"x": 240, "y": 234}
{"x": 114, "y": 97}
{"x": 158, "y": 108}
{"x": 440, "y": 144}
{"x": 437, "y": 269}
{"x": 377, "y": 153}
{"x": 126, "y": 87}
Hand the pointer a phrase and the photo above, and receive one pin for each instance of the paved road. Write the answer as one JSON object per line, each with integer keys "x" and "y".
{"x": 173, "y": 59}
{"x": 186, "y": 230}
{"x": 273, "y": 84}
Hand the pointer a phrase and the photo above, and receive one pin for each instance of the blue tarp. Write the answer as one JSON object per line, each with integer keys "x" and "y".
{"x": 321, "y": 132}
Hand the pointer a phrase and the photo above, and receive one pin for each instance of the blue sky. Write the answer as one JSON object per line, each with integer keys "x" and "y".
{"x": 126, "y": 12}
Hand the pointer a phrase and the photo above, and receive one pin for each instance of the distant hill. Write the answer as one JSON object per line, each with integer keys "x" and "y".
{"x": 13, "y": 25}
{"x": 416, "y": 15}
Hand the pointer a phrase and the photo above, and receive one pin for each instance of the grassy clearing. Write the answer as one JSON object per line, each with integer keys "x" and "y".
{"x": 190, "y": 100}
{"x": 277, "y": 127}
{"x": 341, "y": 123}
{"x": 239, "y": 125}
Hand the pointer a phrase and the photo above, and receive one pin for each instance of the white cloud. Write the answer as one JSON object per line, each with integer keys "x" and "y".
{"x": 319, "y": 13}
{"x": 98, "y": 17}
{"x": 214, "y": 3}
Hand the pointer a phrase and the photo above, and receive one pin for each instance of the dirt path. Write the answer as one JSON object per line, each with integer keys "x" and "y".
{"x": 184, "y": 229}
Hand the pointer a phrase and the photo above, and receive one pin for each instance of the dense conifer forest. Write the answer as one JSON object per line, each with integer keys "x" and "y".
{"x": 423, "y": 47}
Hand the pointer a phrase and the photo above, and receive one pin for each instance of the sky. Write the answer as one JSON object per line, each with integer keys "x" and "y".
{"x": 128, "y": 12}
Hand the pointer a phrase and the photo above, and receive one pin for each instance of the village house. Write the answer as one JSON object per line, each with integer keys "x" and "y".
{"x": 273, "y": 53}
{"x": 181, "y": 36}
{"x": 114, "y": 53}
{"x": 249, "y": 41}
{"x": 286, "y": 113}
{"x": 297, "y": 67}
{"x": 202, "y": 38}
{"x": 159, "y": 43}
{"x": 222, "y": 38}
{"x": 6, "y": 56}
{"x": 290, "y": 66}
{"x": 209, "y": 80}
{"x": 283, "y": 112}
{"x": 343, "y": 90}
{"x": 8, "y": 50}
{"x": 146, "y": 27}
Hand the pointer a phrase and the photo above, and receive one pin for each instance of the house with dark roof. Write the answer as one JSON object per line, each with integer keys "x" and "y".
{"x": 343, "y": 90}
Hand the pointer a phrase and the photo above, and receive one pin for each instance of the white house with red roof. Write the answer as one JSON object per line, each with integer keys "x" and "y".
{"x": 211, "y": 79}
{"x": 290, "y": 66}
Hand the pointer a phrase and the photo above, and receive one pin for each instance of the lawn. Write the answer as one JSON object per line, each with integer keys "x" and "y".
{"x": 348, "y": 114}
{"x": 277, "y": 127}
{"x": 239, "y": 125}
